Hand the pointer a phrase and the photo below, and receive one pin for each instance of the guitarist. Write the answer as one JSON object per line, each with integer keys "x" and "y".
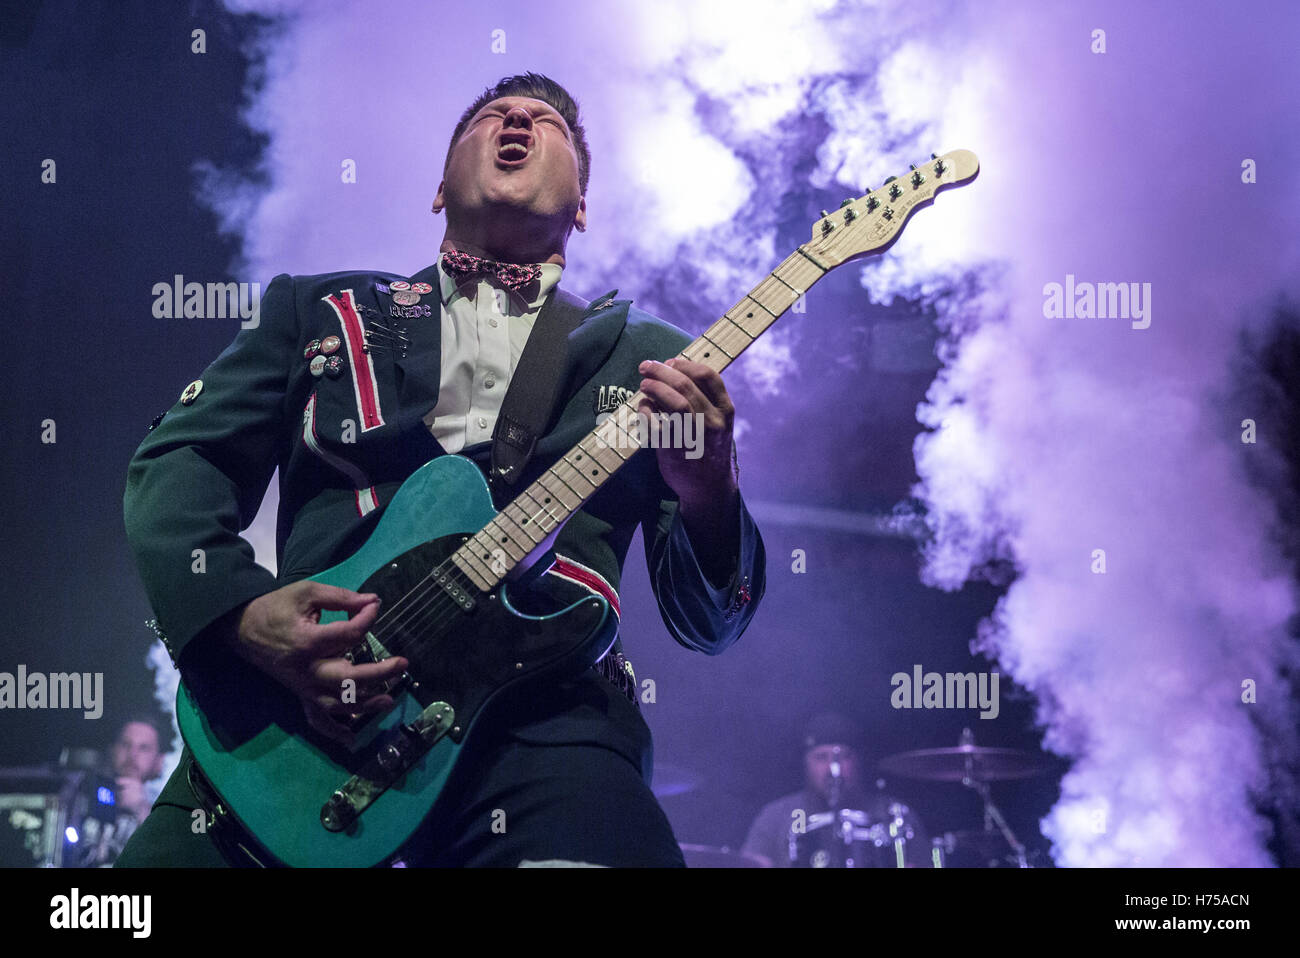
{"x": 347, "y": 413}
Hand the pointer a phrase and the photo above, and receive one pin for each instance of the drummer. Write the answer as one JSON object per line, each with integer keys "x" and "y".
{"x": 833, "y": 779}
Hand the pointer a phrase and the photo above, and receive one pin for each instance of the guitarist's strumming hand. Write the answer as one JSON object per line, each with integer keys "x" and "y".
{"x": 708, "y": 496}
{"x": 281, "y": 634}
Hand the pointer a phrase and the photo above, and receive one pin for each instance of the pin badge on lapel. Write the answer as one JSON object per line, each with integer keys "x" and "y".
{"x": 379, "y": 336}
{"x": 605, "y": 303}
{"x": 191, "y": 392}
{"x": 404, "y": 293}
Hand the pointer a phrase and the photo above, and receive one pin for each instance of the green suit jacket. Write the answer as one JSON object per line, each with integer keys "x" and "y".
{"x": 344, "y": 443}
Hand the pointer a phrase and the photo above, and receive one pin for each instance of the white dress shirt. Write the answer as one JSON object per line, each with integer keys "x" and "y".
{"x": 484, "y": 329}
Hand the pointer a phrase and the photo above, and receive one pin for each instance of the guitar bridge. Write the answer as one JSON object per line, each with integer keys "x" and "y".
{"x": 395, "y": 752}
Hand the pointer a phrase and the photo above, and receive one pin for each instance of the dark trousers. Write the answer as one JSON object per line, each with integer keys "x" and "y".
{"x": 518, "y": 802}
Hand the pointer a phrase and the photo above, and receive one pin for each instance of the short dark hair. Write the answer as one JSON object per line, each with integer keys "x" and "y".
{"x": 535, "y": 87}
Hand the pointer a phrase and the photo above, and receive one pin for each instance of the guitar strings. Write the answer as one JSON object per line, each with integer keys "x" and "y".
{"x": 406, "y": 625}
{"x": 410, "y": 618}
{"x": 413, "y": 621}
{"x": 427, "y": 593}
{"x": 421, "y": 589}
{"x": 413, "y": 618}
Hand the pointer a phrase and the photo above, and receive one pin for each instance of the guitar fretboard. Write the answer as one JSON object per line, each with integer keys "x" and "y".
{"x": 540, "y": 509}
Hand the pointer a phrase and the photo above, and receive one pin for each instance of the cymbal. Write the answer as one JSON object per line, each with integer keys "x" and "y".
{"x": 707, "y": 856}
{"x": 978, "y": 762}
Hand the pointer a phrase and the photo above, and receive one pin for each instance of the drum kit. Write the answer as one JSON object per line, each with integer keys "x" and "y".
{"x": 851, "y": 838}
{"x": 889, "y": 836}
{"x": 61, "y": 816}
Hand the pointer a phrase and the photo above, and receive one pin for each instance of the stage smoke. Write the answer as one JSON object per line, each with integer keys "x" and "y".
{"x": 1083, "y": 449}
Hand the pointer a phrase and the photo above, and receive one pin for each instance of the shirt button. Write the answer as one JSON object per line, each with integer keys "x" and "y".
{"x": 482, "y": 423}
{"x": 493, "y": 322}
{"x": 489, "y": 382}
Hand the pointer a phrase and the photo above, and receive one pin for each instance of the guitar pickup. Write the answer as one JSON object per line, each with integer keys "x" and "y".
{"x": 458, "y": 595}
{"x": 395, "y": 752}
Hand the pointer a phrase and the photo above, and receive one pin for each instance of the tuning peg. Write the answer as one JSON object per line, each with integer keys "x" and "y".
{"x": 889, "y": 180}
{"x": 934, "y": 156}
{"x": 911, "y": 166}
{"x": 825, "y": 213}
{"x": 845, "y": 203}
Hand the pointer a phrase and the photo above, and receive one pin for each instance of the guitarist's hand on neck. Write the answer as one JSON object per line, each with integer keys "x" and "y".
{"x": 699, "y": 471}
{"x": 280, "y": 633}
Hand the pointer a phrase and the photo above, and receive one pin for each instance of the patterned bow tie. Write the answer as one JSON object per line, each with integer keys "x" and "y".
{"x": 461, "y": 266}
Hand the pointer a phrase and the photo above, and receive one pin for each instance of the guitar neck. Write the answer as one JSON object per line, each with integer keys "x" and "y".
{"x": 525, "y": 528}
{"x": 528, "y": 524}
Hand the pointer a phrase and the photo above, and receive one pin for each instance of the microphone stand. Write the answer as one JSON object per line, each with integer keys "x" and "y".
{"x": 835, "y": 793}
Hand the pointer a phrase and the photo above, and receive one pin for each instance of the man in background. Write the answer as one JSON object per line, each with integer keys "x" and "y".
{"x": 113, "y": 801}
{"x": 137, "y": 758}
{"x": 803, "y": 829}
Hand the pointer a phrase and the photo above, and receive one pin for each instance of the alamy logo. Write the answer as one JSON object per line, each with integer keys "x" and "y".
{"x": 75, "y": 910}
{"x": 1098, "y": 301}
{"x": 182, "y": 300}
{"x": 946, "y": 690}
{"x": 668, "y": 430}
{"x": 636, "y": 430}
{"x": 58, "y": 690}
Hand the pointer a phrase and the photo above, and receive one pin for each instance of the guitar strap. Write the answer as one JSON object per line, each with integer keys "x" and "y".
{"x": 532, "y": 395}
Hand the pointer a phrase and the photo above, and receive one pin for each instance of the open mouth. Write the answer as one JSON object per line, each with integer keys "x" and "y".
{"x": 513, "y": 148}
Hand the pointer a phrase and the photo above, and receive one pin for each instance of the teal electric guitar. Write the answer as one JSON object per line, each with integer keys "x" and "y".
{"x": 444, "y": 563}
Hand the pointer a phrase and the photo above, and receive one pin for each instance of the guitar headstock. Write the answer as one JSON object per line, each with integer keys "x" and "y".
{"x": 871, "y": 223}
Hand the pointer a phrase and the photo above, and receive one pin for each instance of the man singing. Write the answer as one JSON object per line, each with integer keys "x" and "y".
{"x": 349, "y": 383}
